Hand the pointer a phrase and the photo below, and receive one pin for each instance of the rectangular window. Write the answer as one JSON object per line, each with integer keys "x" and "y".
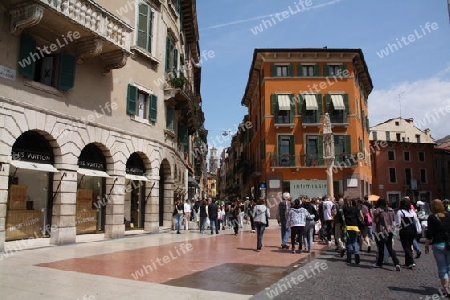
{"x": 283, "y": 108}
{"x": 374, "y": 135}
{"x": 388, "y": 136}
{"x": 308, "y": 71}
{"x": 141, "y": 104}
{"x": 281, "y": 70}
{"x": 171, "y": 64}
{"x": 311, "y": 107}
{"x": 408, "y": 176}
{"x": 421, "y": 156}
{"x": 335, "y": 70}
{"x": 391, "y": 155}
{"x": 144, "y": 27}
{"x": 170, "y": 111}
{"x": 423, "y": 175}
{"x": 337, "y": 107}
{"x": 406, "y": 156}
{"x": 286, "y": 146}
{"x": 342, "y": 149}
{"x": 397, "y": 137}
{"x": 418, "y": 138}
{"x": 314, "y": 151}
{"x": 392, "y": 175}
{"x": 55, "y": 69}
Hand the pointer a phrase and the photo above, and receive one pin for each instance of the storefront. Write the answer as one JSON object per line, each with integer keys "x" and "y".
{"x": 135, "y": 198}
{"x": 91, "y": 196}
{"x": 30, "y": 188}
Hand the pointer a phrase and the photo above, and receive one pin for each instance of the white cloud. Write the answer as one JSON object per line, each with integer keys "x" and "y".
{"x": 427, "y": 101}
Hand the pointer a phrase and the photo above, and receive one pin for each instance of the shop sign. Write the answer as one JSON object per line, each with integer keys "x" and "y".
{"x": 310, "y": 188}
{"x": 91, "y": 165}
{"x": 31, "y": 156}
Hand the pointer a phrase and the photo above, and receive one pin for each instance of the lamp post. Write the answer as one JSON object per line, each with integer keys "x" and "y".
{"x": 328, "y": 153}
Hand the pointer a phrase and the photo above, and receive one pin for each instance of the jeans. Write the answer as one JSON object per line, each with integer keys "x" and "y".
{"x": 178, "y": 219}
{"x": 369, "y": 232}
{"x": 214, "y": 223}
{"x": 309, "y": 231}
{"x": 259, "y": 235}
{"x": 202, "y": 223}
{"x": 442, "y": 258}
{"x": 407, "y": 238}
{"x": 416, "y": 245}
{"x": 382, "y": 241}
{"x": 297, "y": 233}
{"x": 352, "y": 244}
{"x": 285, "y": 233}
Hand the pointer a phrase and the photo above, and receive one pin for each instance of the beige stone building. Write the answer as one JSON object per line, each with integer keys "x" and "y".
{"x": 100, "y": 111}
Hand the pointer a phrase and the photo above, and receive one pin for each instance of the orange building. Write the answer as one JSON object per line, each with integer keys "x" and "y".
{"x": 287, "y": 95}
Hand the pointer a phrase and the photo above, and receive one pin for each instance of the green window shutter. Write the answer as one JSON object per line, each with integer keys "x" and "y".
{"x": 319, "y": 107}
{"x": 367, "y": 124}
{"x": 279, "y": 146}
{"x": 347, "y": 109}
{"x": 273, "y": 71}
{"x": 301, "y": 105}
{"x": 290, "y": 70}
{"x": 26, "y": 62}
{"x": 328, "y": 103}
{"x": 299, "y": 70}
{"x": 292, "y": 111}
{"x": 343, "y": 68}
{"x": 168, "y": 53}
{"x": 348, "y": 144}
{"x": 66, "y": 72}
{"x": 326, "y": 70}
{"x": 175, "y": 59}
{"x": 153, "y": 108}
{"x": 320, "y": 150}
{"x": 291, "y": 145}
{"x": 337, "y": 150}
{"x": 316, "y": 70}
{"x": 132, "y": 96}
{"x": 274, "y": 104}
{"x": 169, "y": 117}
{"x": 143, "y": 26}
{"x": 149, "y": 33}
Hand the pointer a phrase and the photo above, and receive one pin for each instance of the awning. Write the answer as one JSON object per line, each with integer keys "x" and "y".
{"x": 192, "y": 181}
{"x": 136, "y": 177}
{"x": 89, "y": 172}
{"x": 338, "y": 102}
{"x": 20, "y": 164}
{"x": 311, "y": 102}
{"x": 284, "y": 102}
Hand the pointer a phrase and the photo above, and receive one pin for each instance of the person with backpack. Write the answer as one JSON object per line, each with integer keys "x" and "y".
{"x": 282, "y": 214}
{"x": 406, "y": 219}
{"x": 437, "y": 235}
{"x": 384, "y": 220}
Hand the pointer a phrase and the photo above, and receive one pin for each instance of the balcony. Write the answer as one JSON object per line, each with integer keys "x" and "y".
{"x": 54, "y": 21}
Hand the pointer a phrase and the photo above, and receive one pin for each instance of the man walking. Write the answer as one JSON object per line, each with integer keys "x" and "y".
{"x": 187, "y": 214}
{"x": 328, "y": 214}
{"x": 282, "y": 214}
{"x": 212, "y": 214}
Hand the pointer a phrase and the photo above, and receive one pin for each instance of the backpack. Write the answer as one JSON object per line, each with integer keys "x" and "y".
{"x": 367, "y": 218}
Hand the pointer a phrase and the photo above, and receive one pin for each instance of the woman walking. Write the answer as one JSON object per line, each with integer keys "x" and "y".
{"x": 296, "y": 220}
{"x": 351, "y": 217}
{"x": 260, "y": 215}
{"x": 438, "y": 226}
{"x": 310, "y": 223}
{"x": 408, "y": 232}
{"x": 384, "y": 219}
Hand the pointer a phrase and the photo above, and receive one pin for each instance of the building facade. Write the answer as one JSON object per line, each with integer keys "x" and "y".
{"x": 442, "y": 165}
{"x": 100, "y": 110}
{"x": 402, "y": 161}
{"x": 287, "y": 95}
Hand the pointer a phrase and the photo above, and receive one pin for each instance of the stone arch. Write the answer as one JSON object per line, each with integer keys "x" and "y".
{"x": 165, "y": 194}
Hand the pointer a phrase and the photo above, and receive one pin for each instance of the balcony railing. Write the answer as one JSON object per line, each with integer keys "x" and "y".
{"x": 311, "y": 160}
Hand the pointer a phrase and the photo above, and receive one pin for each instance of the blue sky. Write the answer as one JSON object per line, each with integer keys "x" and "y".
{"x": 419, "y": 71}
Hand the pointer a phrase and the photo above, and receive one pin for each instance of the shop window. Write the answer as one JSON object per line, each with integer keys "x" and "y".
{"x": 57, "y": 70}
{"x": 141, "y": 104}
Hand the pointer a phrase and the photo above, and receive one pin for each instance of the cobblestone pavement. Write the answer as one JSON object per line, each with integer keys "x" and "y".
{"x": 329, "y": 277}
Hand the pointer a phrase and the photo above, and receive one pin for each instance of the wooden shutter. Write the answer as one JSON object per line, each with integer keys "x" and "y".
{"x": 319, "y": 107}
{"x": 143, "y": 26}
{"x": 348, "y": 144}
{"x": 292, "y": 111}
{"x": 316, "y": 70}
{"x": 367, "y": 124}
{"x": 328, "y": 103}
{"x": 132, "y": 96}
{"x": 168, "y": 53}
{"x": 346, "y": 104}
{"x": 301, "y": 105}
{"x": 343, "y": 68}
{"x": 153, "y": 108}
{"x": 299, "y": 70}
{"x": 320, "y": 149}
{"x": 26, "y": 62}
{"x": 290, "y": 70}
{"x": 274, "y": 105}
{"x": 66, "y": 72}
{"x": 326, "y": 69}
{"x": 175, "y": 59}
{"x": 273, "y": 71}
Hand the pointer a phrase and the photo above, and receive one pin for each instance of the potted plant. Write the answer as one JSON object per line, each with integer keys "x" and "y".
{"x": 178, "y": 82}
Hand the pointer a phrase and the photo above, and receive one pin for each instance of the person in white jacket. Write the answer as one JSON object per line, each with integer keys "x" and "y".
{"x": 260, "y": 216}
{"x": 296, "y": 221}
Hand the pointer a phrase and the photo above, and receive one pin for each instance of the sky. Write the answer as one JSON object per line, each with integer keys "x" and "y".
{"x": 406, "y": 46}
